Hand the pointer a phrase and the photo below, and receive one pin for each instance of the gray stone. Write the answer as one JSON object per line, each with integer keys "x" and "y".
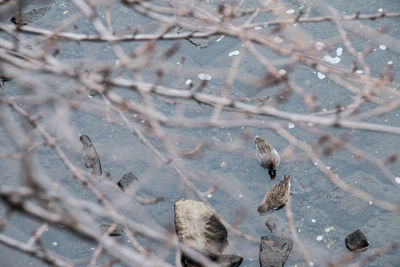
{"x": 90, "y": 155}
{"x": 274, "y": 250}
{"x": 198, "y": 227}
{"x": 356, "y": 241}
{"x": 126, "y": 181}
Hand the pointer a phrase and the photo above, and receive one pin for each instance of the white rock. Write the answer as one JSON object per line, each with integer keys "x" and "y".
{"x": 204, "y": 76}
{"x": 332, "y": 60}
{"x": 234, "y": 53}
{"x": 319, "y": 45}
{"x": 339, "y": 51}
{"x": 321, "y": 76}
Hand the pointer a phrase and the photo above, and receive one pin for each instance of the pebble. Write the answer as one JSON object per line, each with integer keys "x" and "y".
{"x": 278, "y": 40}
{"x": 234, "y": 53}
{"x": 319, "y": 45}
{"x": 319, "y": 238}
{"x": 321, "y": 76}
{"x": 332, "y": 60}
{"x": 339, "y": 51}
{"x": 204, "y": 76}
{"x": 356, "y": 241}
{"x": 382, "y": 47}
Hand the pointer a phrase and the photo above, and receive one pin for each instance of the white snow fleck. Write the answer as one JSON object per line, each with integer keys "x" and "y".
{"x": 320, "y": 75}
{"x": 380, "y": 10}
{"x": 315, "y": 163}
{"x": 319, "y": 238}
{"x": 204, "y": 76}
{"x": 332, "y": 60}
{"x": 209, "y": 196}
{"x": 319, "y": 45}
{"x": 290, "y": 126}
{"x": 188, "y": 81}
{"x": 382, "y": 47}
{"x": 328, "y": 167}
{"x": 290, "y": 11}
{"x": 339, "y": 51}
{"x": 257, "y": 28}
{"x": 313, "y": 221}
{"x": 390, "y": 62}
{"x": 397, "y": 179}
{"x": 370, "y": 202}
{"x": 55, "y": 244}
{"x": 240, "y": 195}
{"x": 359, "y": 71}
{"x": 234, "y": 53}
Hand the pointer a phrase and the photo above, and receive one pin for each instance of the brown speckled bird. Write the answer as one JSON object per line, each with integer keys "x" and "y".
{"x": 276, "y": 197}
{"x": 267, "y": 156}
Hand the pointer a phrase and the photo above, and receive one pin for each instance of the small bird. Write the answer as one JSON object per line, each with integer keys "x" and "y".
{"x": 267, "y": 156}
{"x": 276, "y": 197}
